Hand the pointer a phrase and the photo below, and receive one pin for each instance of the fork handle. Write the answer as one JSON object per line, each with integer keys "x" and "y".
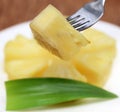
{"x": 101, "y": 1}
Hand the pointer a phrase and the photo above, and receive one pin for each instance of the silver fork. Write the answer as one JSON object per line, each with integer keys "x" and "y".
{"x": 88, "y": 15}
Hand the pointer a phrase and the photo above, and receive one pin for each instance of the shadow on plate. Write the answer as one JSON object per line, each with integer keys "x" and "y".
{"x": 70, "y": 104}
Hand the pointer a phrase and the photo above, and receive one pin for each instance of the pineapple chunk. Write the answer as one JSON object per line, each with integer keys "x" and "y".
{"x": 62, "y": 69}
{"x": 53, "y": 32}
{"x": 18, "y": 69}
{"x": 23, "y": 48}
{"x": 98, "y": 41}
{"x": 95, "y": 60}
{"x": 25, "y": 58}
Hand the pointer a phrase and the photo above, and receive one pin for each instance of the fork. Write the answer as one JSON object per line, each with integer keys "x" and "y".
{"x": 88, "y": 15}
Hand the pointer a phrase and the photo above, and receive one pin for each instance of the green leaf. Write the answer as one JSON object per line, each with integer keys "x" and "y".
{"x": 37, "y": 92}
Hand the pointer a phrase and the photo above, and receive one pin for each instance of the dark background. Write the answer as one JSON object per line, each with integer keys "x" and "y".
{"x": 16, "y": 11}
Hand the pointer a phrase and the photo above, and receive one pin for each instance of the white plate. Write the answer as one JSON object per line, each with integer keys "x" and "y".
{"x": 112, "y": 85}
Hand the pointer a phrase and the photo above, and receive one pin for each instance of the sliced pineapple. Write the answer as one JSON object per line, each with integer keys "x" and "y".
{"x": 53, "y": 32}
{"x": 95, "y": 60}
{"x": 62, "y": 69}
{"x": 18, "y": 69}
{"x": 98, "y": 41}
{"x": 25, "y": 58}
{"x": 23, "y": 48}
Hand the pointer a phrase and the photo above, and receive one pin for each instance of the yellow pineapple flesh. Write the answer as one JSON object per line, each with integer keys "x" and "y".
{"x": 62, "y": 69}
{"x": 53, "y": 32}
{"x": 95, "y": 60}
{"x": 25, "y": 58}
{"x": 23, "y": 48}
{"x": 18, "y": 69}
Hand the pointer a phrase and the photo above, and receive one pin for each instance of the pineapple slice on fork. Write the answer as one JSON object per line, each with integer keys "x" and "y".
{"x": 53, "y": 32}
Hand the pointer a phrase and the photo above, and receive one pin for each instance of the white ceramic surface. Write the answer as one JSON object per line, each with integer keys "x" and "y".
{"x": 112, "y": 85}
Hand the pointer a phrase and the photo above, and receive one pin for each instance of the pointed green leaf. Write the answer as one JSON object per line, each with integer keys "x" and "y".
{"x": 37, "y": 92}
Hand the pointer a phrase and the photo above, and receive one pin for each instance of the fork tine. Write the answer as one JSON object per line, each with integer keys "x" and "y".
{"x": 73, "y": 17}
{"x": 76, "y": 21}
{"x": 81, "y": 20}
{"x": 88, "y": 15}
{"x": 80, "y": 23}
{"x": 82, "y": 27}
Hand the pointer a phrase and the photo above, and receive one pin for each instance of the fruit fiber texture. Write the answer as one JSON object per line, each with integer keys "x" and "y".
{"x": 54, "y": 32}
{"x": 25, "y": 58}
{"x": 86, "y": 56}
{"x": 95, "y": 60}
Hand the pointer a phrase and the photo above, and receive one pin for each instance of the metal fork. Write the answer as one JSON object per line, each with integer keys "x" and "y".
{"x": 88, "y": 15}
